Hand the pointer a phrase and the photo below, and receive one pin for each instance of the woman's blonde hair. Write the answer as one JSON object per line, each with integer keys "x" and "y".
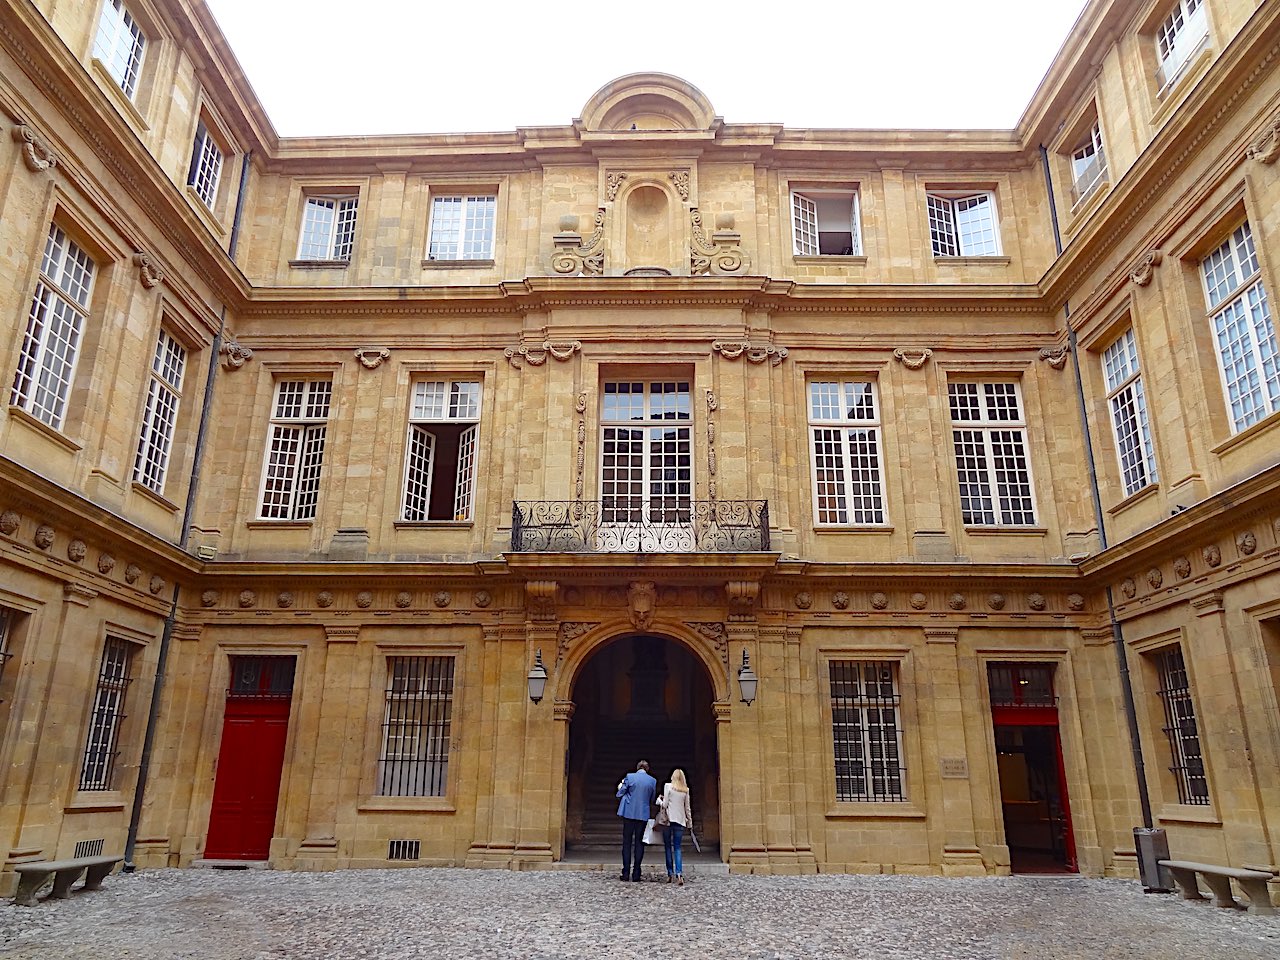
{"x": 678, "y": 781}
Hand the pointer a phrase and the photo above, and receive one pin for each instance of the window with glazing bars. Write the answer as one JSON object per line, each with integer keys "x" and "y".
{"x": 160, "y": 418}
{"x": 1021, "y": 684}
{"x": 295, "y": 451}
{"x": 646, "y": 471}
{"x": 825, "y": 223}
{"x": 1129, "y": 414}
{"x": 1180, "y": 727}
{"x": 867, "y": 731}
{"x": 989, "y": 434}
{"x": 7, "y": 617}
{"x": 119, "y": 45}
{"x": 102, "y": 748}
{"x": 1088, "y": 164}
{"x": 844, "y": 429}
{"x": 328, "y": 228}
{"x": 440, "y": 462}
{"x": 259, "y": 678}
{"x": 416, "y": 727}
{"x": 1246, "y": 337}
{"x": 462, "y": 228}
{"x": 1180, "y": 37}
{"x": 963, "y": 226}
{"x": 206, "y": 166}
{"x": 55, "y": 325}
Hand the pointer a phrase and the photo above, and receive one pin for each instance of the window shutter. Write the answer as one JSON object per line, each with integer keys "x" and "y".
{"x": 466, "y": 474}
{"x": 417, "y": 480}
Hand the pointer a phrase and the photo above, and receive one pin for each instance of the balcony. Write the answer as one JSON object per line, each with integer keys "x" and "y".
{"x": 633, "y": 525}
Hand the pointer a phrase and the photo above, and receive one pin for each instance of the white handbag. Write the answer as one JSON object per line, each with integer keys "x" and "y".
{"x": 651, "y": 833}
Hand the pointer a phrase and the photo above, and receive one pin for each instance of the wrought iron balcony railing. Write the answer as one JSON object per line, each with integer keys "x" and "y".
{"x": 640, "y": 525}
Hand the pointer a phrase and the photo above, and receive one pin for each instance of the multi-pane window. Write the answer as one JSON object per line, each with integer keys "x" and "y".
{"x": 1088, "y": 165}
{"x": 963, "y": 225}
{"x": 1129, "y": 413}
{"x": 440, "y": 465}
{"x": 462, "y": 228}
{"x": 867, "y": 730}
{"x": 295, "y": 451}
{"x": 844, "y": 429}
{"x": 55, "y": 325}
{"x": 1242, "y": 325}
{"x": 206, "y": 166}
{"x": 100, "y": 752}
{"x": 825, "y": 223}
{"x": 328, "y": 228}
{"x": 119, "y": 45}
{"x": 160, "y": 418}
{"x": 990, "y": 437}
{"x": 417, "y": 718}
{"x": 646, "y": 452}
{"x": 1187, "y": 764}
{"x": 1180, "y": 37}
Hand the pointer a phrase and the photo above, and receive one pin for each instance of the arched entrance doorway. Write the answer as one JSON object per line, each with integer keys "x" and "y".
{"x": 639, "y": 697}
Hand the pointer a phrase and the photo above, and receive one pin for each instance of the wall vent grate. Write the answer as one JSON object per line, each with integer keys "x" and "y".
{"x": 403, "y": 849}
{"x": 89, "y": 848}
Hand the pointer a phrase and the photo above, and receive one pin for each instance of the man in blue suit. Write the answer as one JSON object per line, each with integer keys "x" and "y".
{"x": 636, "y": 793}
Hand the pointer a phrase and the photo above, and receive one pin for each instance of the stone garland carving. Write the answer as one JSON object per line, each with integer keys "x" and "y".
{"x": 1146, "y": 267}
{"x": 755, "y": 353}
{"x": 76, "y": 550}
{"x": 1056, "y": 357}
{"x": 36, "y": 152}
{"x": 912, "y": 359}
{"x": 10, "y": 520}
{"x": 1266, "y": 148}
{"x": 572, "y": 256}
{"x": 149, "y": 269}
{"x": 43, "y": 537}
{"x": 642, "y": 601}
{"x": 712, "y": 406}
{"x": 680, "y": 180}
{"x": 561, "y": 350}
{"x": 1247, "y": 543}
{"x": 612, "y": 183}
{"x": 569, "y": 632}
{"x": 371, "y": 357}
{"x": 233, "y": 355}
{"x": 720, "y": 255}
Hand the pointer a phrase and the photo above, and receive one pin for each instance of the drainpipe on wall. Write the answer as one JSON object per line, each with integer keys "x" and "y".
{"x": 1117, "y": 632}
{"x": 197, "y": 461}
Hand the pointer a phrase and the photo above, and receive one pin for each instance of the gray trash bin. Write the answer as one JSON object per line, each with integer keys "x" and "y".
{"x": 1153, "y": 846}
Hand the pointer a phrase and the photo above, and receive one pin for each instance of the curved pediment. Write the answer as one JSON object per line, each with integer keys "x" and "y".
{"x": 648, "y": 101}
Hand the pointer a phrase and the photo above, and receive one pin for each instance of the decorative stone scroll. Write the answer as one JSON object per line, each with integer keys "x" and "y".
{"x": 569, "y": 632}
{"x": 36, "y": 152}
{"x": 1145, "y": 269}
{"x": 580, "y": 405}
{"x": 1055, "y": 357}
{"x": 233, "y": 355}
{"x": 912, "y": 359}
{"x": 721, "y": 255}
{"x": 149, "y": 270}
{"x": 712, "y": 406}
{"x": 1266, "y": 148}
{"x": 540, "y": 600}
{"x": 561, "y": 350}
{"x": 372, "y": 357}
{"x": 572, "y": 256}
{"x": 756, "y": 353}
{"x": 715, "y": 632}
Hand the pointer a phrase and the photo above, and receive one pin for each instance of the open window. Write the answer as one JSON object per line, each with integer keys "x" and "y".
{"x": 440, "y": 463}
{"x": 824, "y": 223}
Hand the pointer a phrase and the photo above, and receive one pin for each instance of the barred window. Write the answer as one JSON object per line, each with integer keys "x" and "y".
{"x": 1088, "y": 165}
{"x": 1246, "y": 337}
{"x": 416, "y": 727}
{"x": 160, "y": 418}
{"x": 1021, "y": 684}
{"x": 646, "y": 471}
{"x": 1180, "y": 727}
{"x": 867, "y": 731}
{"x": 462, "y": 228}
{"x": 989, "y": 433}
{"x": 1182, "y": 35}
{"x": 55, "y": 325}
{"x": 328, "y": 228}
{"x": 119, "y": 44}
{"x": 206, "y": 166}
{"x": 440, "y": 464}
{"x": 102, "y": 748}
{"x": 963, "y": 225}
{"x": 844, "y": 430}
{"x": 295, "y": 451}
{"x": 1129, "y": 414}
{"x": 825, "y": 223}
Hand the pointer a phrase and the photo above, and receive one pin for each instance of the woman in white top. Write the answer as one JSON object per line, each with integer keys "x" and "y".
{"x": 675, "y": 801}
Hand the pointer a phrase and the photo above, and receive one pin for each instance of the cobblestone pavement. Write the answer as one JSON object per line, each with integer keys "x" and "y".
{"x": 456, "y": 914}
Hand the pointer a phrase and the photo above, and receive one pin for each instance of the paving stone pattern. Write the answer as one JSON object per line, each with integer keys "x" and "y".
{"x": 455, "y": 914}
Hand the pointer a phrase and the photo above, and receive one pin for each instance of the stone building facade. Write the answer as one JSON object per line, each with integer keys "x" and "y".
{"x": 317, "y": 450}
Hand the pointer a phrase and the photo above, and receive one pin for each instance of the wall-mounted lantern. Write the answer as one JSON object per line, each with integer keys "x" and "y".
{"x": 747, "y": 679}
{"x": 538, "y": 678}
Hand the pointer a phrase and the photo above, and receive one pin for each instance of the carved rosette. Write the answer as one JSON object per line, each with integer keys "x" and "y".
{"x": 1075, "y": 602}
{"x": 1036, "y": 601}
{"x": 43, "y": 536}
{"x": 364, "y": 599}
{"x": 755, "y": 353}
{"x": 1129, "y": 588}
{"x": 719, "y": 255}
{"x": 803, "y": 600}
{"x": 1056, "y": 357}
{"x": 404, "y": 600}
{"x": 442, "y": 598}
{"x": 1145, "y": 268}
{"x": 482, "y": 598}
{"x": 573, "y": 257}
{"x": 284, "y": 600}
{"x": 149, "y": 270}
{"x": 919, "y": 601}
{"x": 912, "y": 359}
{"x": 248, "y": 599}
{"x": 1155, "y": 578}
{"x": 372, "y": 357}
{"x": 957, "y": 601}
{"x": 1182, "y": 567}
{"x": 209, "y": 598}
{"x": 76, "y": 550}
{"x": 879, "y": 601}
{"x": 1266, "y": 148}
{"x": 324, "y": 599}
{"x": 996, "y": 601}
{"x": 10, "y": 520}
{"x": 561, "y": 350}
{"x": 36, "y": 152}
{"x": 233, "y": 356}
{"x": 840, "y": 600}
{"x": 1212, "y": 555}
{"x": 1247, "y": 543}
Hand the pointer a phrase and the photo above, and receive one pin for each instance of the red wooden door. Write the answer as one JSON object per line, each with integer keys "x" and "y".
{"x": 247, "y": 787}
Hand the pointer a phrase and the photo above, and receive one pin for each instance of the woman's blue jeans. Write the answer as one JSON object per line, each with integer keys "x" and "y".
{"x": 671, "y": 838}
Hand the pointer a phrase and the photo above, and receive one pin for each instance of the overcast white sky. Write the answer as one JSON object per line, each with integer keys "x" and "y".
{"x": 423, "y": 66}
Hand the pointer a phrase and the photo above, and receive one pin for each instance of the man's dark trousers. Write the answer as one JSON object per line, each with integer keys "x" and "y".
{"x": 632, "y": 846}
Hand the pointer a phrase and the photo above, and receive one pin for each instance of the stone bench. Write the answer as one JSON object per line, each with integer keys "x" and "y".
{"x": 31, "y": 876}
{"x": 1252, "y": 882}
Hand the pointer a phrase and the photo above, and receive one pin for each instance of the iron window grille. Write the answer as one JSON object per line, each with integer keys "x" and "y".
{"x": 89, "y": 848}
{"x": 295, "y": 453}
{"x": 261, "y": 678}
{"x": 825, "y": 223}
{"x": 206, "y": 166}
{"x": 646, "y": 469}
{"x": 119, "y": 45}
{"x": 102, "y": 748}
{"x": 1180, "y": 727}
{"x": 403, "y": 849}
{"x": 1248, "y": 358}
{"x": 462, "y": 228}
{"x": 844, "y": 429}
{"x": 440, "y": 461}
{"x": 51, "y": 346}
{"x": 160, "y": 418}
{"x": 416, "y": 727}
{"x": 963, "y": 225}
{"x": 1179, "y": 39}
{"x": 994, "y": 472}
{"x": 1088, "y": 165}
{"x": 1021, "y": 685}
{"x": 1129, "y": 414}
{"x": 328, "y": 228}
{"x": 866, "y": 730}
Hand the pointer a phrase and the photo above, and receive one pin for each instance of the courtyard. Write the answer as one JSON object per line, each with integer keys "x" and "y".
{"x": 455, "y": 913}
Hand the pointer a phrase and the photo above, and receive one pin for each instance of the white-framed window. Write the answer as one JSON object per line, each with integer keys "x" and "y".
{"x": 1244, "y": 332}
{"x": 1128, "y": 406}
{"x": 462, "y": 227}
{"x": 97, "y": 771}
{"x": 866, "y": 730}
{"x": 825, "y": 223}
{"x": 120, "y": 44}
{"x": 160, "y": 418}
{"x": 963, "y": 225}
{"x": 1088, "y": 164}
{"x": 440, "y": 461}
{"x": 990, "y": 437}
{"x": 1181, "y": 36}
{"x": 206, "y": 166}
{"x": 844, "y": 438}
{"x": 646, "y": 453}
{"x": 55, "y": 325}
{"x": 295, "y": 451}
{"x": 416, "y": 727}
{"x": 1186, "y": 759}
{"x": 328, "y": 227}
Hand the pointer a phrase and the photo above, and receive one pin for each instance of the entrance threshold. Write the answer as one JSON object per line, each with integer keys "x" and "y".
{"x": 706, "y": 864}
{"x": 230, "y": 864}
